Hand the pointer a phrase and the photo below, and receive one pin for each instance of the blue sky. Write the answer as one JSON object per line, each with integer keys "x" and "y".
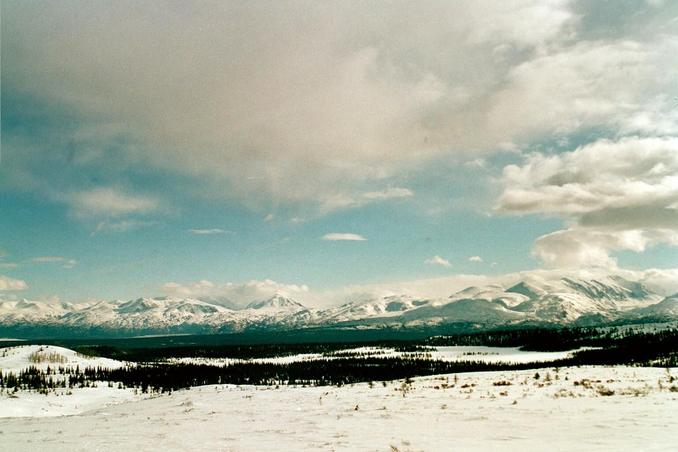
{"x": 195, "y": 148}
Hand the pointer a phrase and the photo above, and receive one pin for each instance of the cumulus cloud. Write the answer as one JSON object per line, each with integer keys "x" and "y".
{"x": 7, "y": 283}
{"x": 616, "y": 195}
{"x": 343, "y": 236}
{"x": 439, "y": 261}
{"x": 234, "y": 295}
{"x": 321, "y": 103}
{"x": 65, "y": 262}
{"x": 475, "y": 259}
{"x": 601, "y": 176}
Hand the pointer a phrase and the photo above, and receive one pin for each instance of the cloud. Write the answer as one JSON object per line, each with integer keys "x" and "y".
{"x": 343, "y": 236}
{"x": 345, "y": 106}
{"x": 475, "y": 259}
{"x": 208, "y": 231}
{"x": 234, "y": 294}
{"x": 663, "y": 281}
{"x": 7, "y": 283}
{"x": 601, "y": 176}
{"x": 67, "y": 263}
{"x": 347, "y": 200}
{"x": 6, "y": 264}
{"x": 121, "y": 225}
{"x": 389, "y": 193}
{"x": 437, "y": 260}
{"x": 110, "y": 202}
{"x": 615, "y": 195}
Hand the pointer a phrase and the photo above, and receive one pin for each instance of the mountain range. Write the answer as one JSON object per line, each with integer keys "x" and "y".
{"x": 565, "y": 301}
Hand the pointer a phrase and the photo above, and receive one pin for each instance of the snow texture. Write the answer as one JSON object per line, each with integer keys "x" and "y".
{"x": 590, "y": 408}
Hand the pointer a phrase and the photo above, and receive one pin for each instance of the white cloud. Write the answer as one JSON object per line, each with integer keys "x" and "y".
{"x": 615, "y": 195}
{"x": 591, "y": 83}
{"x": 663, "y": 281}
{"x": 475, "y": 259}
{"x": 234, "y": 294}
{"x": 211, "y": 231}
{"x": 437, "y": 260}
{"x": 605, "y": 175}
{"x": 110, "y": 202}
{"x": 343, "y": 236}
{"x": 7, "y": 283}
{"x": 121, "y": 225}
{"x": 66, "y": 262}
{"x": 346, "y": 104}
{"x": 389, "y": 193}
{"x": 344, "y": 200}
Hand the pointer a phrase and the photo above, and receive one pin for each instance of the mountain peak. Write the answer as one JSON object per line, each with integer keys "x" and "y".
{"x": 277, "y": 301}
{"x": 525, "y": 288}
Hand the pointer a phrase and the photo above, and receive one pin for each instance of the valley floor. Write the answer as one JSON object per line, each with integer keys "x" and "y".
{"x": 589, "y": 408}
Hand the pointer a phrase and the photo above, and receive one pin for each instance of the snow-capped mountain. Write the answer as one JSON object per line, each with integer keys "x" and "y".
{"x": 560, "y": 301}
{"x": 31, "y": 311}
{"x": 276, "y": 303}
{"x": 383, "y": 307}
{"x": 665, "y": 309}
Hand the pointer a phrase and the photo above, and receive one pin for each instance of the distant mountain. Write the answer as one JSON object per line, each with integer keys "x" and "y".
{"x": 276, "y": 302}
{"x": 561, "y": 301}
{"x": 384, "y": 307}
{"x": 665, "y": 309}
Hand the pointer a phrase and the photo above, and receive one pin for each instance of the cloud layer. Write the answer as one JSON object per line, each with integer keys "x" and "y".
{"x": 615, "y": 195}
{"x": 323, "y": 104}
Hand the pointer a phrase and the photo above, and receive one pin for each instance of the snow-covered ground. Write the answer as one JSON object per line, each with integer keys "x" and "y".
{"x": 496, "y": 354}
{"x": 61, "y": 401}
{"x": 454, "y": 353}
{"x": 14, "y": 359}
{"x": 590, "y": 408}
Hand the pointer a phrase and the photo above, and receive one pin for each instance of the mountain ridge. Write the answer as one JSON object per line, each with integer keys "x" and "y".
{"x": 561, "y": 302}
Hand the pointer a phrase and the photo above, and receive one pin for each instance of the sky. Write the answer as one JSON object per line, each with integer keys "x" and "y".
{"x": 321, "y": 149}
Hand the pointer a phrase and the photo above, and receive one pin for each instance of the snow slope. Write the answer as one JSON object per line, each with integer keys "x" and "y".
{"x": 563, "y": 410}
{"x": 15, "y": 359}
{"x": 62, "y": 401}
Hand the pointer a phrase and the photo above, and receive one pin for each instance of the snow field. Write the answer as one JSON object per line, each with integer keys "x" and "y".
{"x": 588, "y": 408}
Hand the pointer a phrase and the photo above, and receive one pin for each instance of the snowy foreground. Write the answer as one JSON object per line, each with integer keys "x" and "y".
{"x": 591, "y": 408}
